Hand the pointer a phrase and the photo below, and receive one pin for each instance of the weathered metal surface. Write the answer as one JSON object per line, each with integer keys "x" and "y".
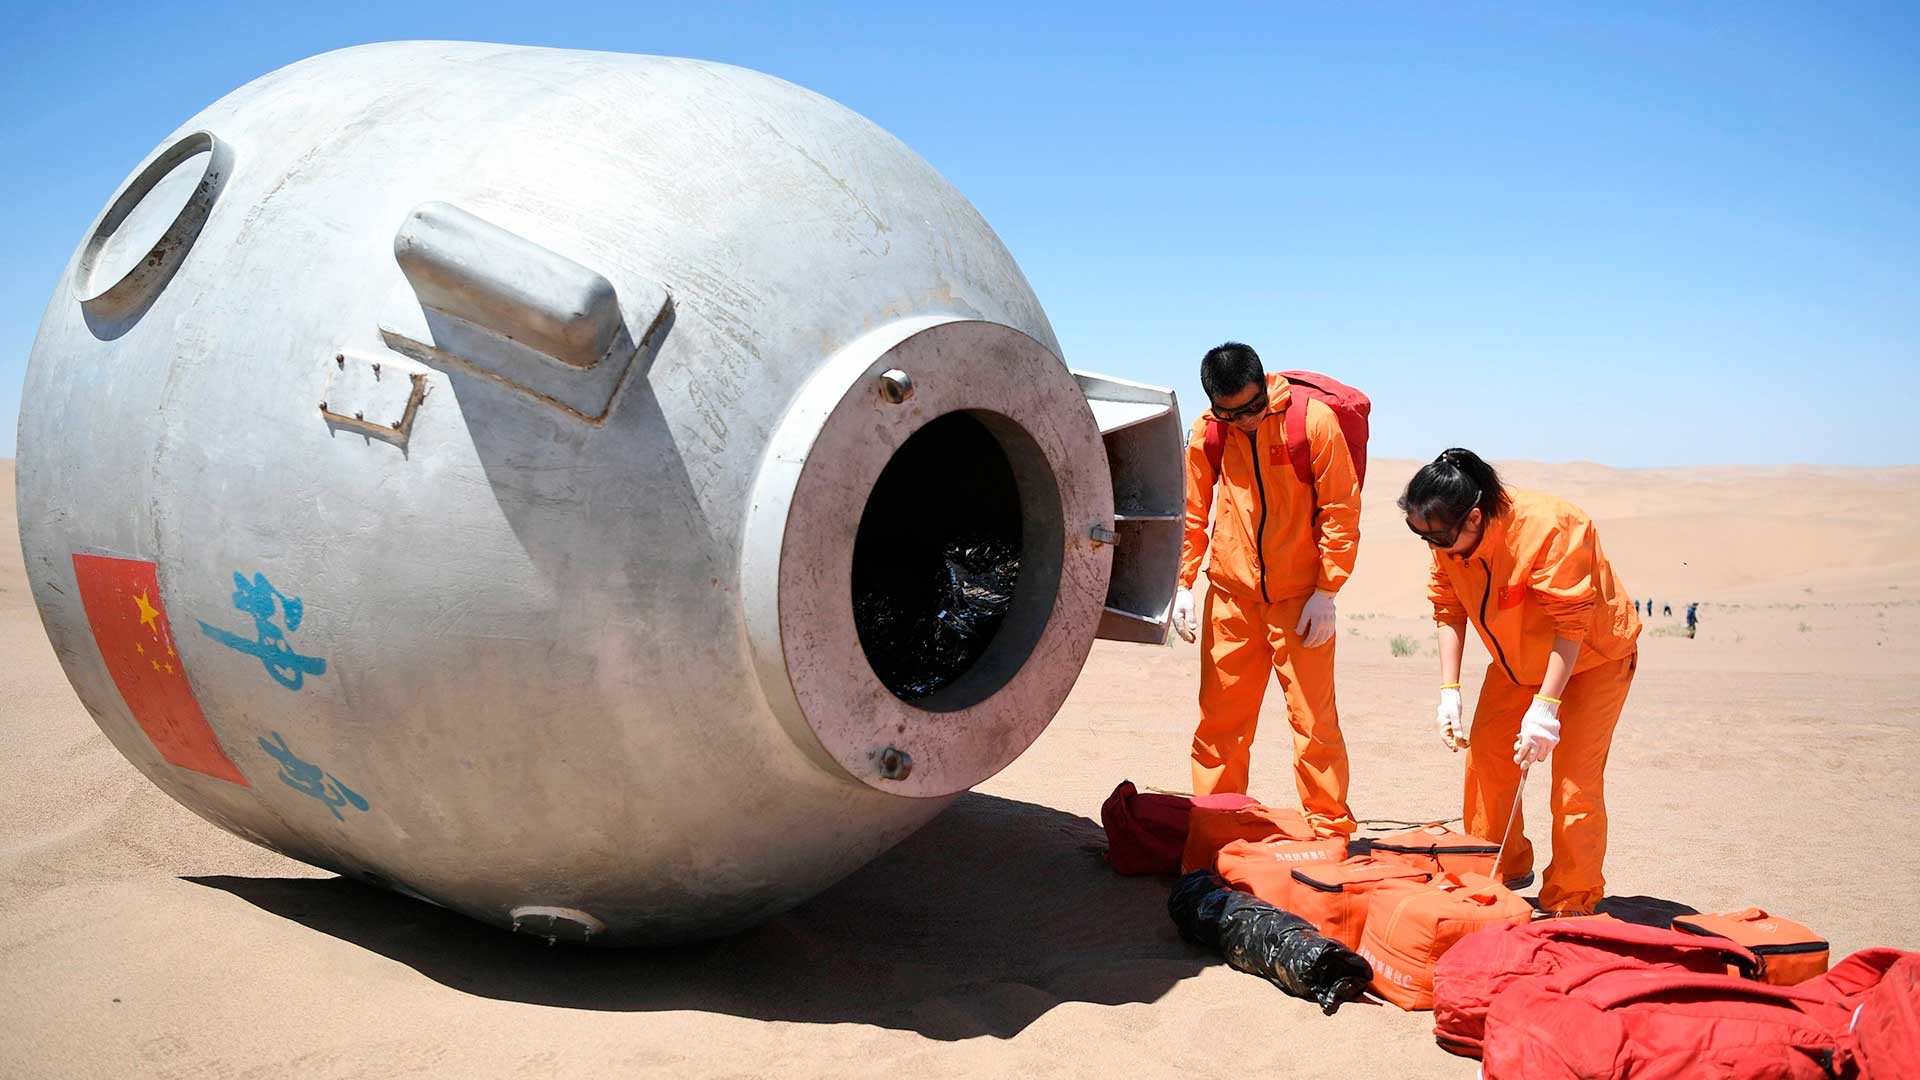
{"x": 546, "y": 618}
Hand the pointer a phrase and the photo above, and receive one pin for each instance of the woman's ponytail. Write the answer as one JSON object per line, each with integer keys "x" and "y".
{"x": 1448, "y": 488}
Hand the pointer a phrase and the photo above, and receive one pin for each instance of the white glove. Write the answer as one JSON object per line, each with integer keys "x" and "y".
{"x": 1316, "y": 621}
{"x": 1539, "y": 733}
{"x": 1184, "y": 623}
{"x": 1453, "y": 723}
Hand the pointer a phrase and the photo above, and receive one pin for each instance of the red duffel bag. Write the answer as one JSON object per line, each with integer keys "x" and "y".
{"x": 1548, "y": 951}
{"x": 1147, "y": 831}
{"x": 1632, "y": 1023}
{"x": 1886, "y": 1031}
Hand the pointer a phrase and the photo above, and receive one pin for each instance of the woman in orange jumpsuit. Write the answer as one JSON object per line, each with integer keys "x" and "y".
{"x": 1527, "y": 570}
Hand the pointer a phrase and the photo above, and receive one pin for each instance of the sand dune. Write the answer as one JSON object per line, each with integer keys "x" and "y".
{"x": 1709, "y": 534}
{"x": 1768, "y": 762}
{"x": 13, "y": 576}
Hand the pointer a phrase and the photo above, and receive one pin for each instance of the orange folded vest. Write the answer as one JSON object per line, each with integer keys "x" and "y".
{"x": 1411, "y": 924}
{"x": 1265, "y": 868}
{"x": 1438, "y": 850}
{"x": 1334, "y": 896}
{"x": 1789, "y": 952}
{"x": 1214, "y": 825}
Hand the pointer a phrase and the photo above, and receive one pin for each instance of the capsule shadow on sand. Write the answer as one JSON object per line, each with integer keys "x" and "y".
{"x": 976, "y": 925}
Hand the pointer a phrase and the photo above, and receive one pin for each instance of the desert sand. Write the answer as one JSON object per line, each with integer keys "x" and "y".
{"x": 1769, "y": 762}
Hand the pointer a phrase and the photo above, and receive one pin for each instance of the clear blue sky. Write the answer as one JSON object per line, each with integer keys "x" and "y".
{"x": 1621, "y": 233}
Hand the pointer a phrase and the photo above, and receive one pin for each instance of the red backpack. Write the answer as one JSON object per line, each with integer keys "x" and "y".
{"x": 1349, "y": 406}
{"x": 1668, "y": 1025}
{"x": 1549, "y": 952}
{"x": 1146, "y": 831}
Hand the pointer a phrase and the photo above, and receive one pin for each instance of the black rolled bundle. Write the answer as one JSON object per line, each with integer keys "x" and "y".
{"x": 1196, "y": 906}
{"x": 1263, "y": 940}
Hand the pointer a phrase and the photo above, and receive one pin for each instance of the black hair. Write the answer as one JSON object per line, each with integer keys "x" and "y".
{"x": 1230, "y": 368}
{"x": 1447, "y": 489}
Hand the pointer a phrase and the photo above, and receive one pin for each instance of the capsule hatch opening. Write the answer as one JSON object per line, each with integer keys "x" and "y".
{"x": 956, "y": 564}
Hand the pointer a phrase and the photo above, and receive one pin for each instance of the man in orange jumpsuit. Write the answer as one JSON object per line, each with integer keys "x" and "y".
{"x": 1277, "y": 552}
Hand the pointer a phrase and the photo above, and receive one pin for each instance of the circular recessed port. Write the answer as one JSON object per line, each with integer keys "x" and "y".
{"x": 952, "y": 579}
{"x": 145, "y": 233}
{"x": 920, "y": 587}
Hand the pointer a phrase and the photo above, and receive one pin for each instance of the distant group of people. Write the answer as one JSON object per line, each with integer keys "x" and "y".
{"x": 1693, "y": 614}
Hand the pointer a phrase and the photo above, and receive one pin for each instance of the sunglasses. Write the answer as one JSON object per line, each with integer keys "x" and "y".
{"x": 1439, "y": 538}
{"x": 1252, "y": 408}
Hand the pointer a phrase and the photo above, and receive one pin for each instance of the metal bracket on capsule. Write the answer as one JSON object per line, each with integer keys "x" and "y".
{"x": 374, "y": 396}
{"x": 496, "y": 304}
{"x": 1140, "y": 426}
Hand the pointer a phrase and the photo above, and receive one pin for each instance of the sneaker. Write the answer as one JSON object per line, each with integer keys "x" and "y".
{"x": 1524, "y": 881}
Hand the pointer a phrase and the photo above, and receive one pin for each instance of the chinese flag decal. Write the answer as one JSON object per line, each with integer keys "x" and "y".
{"x": 122, "y": 598}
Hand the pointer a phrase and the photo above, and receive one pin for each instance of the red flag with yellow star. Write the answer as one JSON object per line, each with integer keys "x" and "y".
{"x": 122, "y": 598}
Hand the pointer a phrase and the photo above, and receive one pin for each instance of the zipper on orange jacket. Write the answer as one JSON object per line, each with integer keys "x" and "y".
{"x": 1491, "y": 636}
{"x": 1259, "y": 538}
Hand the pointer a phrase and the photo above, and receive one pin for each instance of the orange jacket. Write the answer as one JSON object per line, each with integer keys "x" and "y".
{"x": 1537, "y": 574}
{"x": 1267, "y": 541}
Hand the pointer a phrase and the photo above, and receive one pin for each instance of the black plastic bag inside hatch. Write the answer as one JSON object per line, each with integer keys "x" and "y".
{"x": 922, "y": 632}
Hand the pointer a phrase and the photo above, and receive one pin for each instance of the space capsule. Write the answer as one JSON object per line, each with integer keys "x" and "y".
{"x": 611, "y": 496}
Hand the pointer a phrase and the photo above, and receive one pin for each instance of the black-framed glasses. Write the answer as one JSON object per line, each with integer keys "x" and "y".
{"x": 1252, "y": 408}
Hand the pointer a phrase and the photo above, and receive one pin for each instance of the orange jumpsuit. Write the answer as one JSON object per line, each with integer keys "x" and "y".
{"x": 1274, "y": 541}
{"x": 1539, "y": 574}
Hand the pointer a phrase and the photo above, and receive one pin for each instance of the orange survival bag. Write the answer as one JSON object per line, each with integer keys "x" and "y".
{"x": 1334, "y": 896}
{"x": 1412, "y": 924}
{"x": 1215, "y": 824}
{"x": 1438, "y": 850}
{"x": 1789, "y": 952}
{"x": 1265, "y": 869}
